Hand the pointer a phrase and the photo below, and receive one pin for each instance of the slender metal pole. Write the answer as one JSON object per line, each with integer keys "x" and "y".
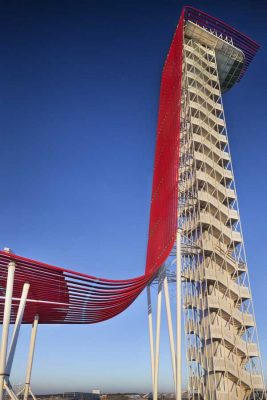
{"x": 156, "y": 368}
{"x": 150, "y": 328}
{"x": 170, "y": 328}
{"x": 10, "y": 391}
{"x": 31, "y": 393}
{"x": 30, "y": 358}
{"x": 178, "y": 318}
{"x": 6, "y": 322}
{"x": 20, "y": 392}
{"x": 16, "y": 329}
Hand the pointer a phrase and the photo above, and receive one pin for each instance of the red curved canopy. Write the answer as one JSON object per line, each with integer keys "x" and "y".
{"x": 62, "y": 296}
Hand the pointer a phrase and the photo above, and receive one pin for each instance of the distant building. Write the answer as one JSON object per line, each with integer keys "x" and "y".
{"x": 69, "y": 396}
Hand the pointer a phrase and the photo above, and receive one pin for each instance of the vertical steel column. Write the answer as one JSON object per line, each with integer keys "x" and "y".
{"x": 10, "y": 392}
{"x": 30, "y": 358}
{"x": 17, "y": 325}
{"x": 150, "y": 328}
{"x": 31, "y": 393}
{"x": 170, "y": 328}
{"x": 156, "y": 368}
{"x": 6, "y": 322}
{"x": 178, "y": 318}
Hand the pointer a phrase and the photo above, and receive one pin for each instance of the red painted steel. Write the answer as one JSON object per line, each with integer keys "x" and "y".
{"x": 63, "y": 296}
{"x": 164, "y": 199}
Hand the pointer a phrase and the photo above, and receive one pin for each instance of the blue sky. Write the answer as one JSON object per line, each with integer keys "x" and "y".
{"x": 78, "y": 98}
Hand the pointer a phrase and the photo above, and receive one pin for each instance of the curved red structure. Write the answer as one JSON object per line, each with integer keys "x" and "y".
{"x": 63, "y": 296}
{"x": 164, "y": 199}
{"x": 59, "y": 295}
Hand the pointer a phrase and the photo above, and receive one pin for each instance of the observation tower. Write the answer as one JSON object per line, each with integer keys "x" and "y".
{"x": 206, "y": 59}
{"x": 195, "y": 238}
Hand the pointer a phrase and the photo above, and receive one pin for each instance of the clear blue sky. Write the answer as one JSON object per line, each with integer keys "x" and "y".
{"x": 78, "y": 100}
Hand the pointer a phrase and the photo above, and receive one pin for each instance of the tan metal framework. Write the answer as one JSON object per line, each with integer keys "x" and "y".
{"x": 223, "y": 354}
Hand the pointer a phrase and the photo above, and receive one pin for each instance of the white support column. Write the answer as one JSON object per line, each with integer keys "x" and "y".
{"x": 10, "y": 391}
{"x": 150, "y": 328}
{"x": 156, "y": 368}
{"x": 16, "y": 329}
{"x": 20, "y": 392}
{"x": 31, "y": 393}
{"x": 6, "y": 322}
{"x": 30, "y": 358}
{"x": 178, "y": 318}
{"x": 170, "y": 327}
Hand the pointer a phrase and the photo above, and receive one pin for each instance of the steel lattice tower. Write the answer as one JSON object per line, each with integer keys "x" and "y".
{"x": 194, "y": 225}
{"x": 206, "y": 58}
{"x": 222, "y": 346}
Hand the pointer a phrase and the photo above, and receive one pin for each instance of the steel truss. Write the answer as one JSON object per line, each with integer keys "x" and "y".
{"x": 222, "y": 350}
{"x": 7, "y": 361}
{"x": 223, "y": 354}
